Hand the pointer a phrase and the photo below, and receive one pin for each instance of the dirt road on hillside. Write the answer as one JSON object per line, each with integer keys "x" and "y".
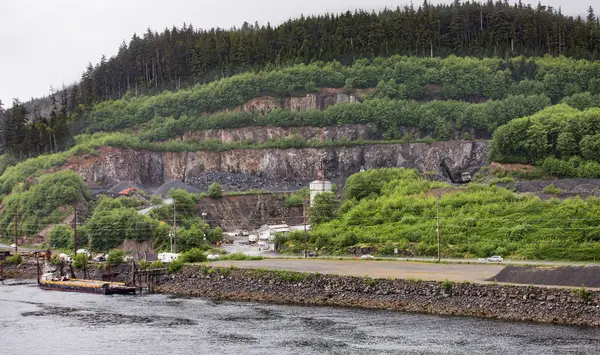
{"x": 381, "y": 269}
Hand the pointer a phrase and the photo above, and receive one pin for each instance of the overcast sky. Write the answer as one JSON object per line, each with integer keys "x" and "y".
{"x": 50, "y": 42}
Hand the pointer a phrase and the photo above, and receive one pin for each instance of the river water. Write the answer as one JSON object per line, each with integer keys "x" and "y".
{"x": 33, "y": 321}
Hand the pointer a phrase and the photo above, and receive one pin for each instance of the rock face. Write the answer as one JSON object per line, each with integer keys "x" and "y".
{"x": 263, "y": 134}
{"x": 524, "y": 303}
{"x": 299, "y": 166}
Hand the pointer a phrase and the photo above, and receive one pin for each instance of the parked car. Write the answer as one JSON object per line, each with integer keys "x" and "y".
{"x": 313, "y": 254}
{"x": 495, "y": 258}
{"x": 99, "y": 258}
{"x": 13, "y": 245}
{"x": 367, "y": 256}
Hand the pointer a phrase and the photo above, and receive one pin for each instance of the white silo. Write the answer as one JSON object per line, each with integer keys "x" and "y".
{"x": 319, "y": 186}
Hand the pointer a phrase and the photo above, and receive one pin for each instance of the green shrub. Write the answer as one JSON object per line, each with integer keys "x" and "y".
{"x": 371, "y": 282}
{"x": 215, "y": 190}
{"x": 80, "y": 261}
{"x": 156, "y": 264}
{"x": 292, "y": 276}
{"x": 194, "y": 255}
{"x": 174, "y": 266}
{"x": 115, "y": 257}
{"x": 583, "y": 293}
{"x": 447, "y": 285}
{"x": 15, "y": 259}
{"x": 156, "y": 200}
{"x": 143, "y": 264}
{"x": 294, "y": 201}
{"x": 61, "y": 237}
{"x": 552, "y": 190}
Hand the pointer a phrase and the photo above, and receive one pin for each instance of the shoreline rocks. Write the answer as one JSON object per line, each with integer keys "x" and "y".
{"x": 516, "y": 303}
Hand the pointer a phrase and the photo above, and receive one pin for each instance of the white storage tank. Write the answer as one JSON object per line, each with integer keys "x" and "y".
{"x": 319, "y": 186}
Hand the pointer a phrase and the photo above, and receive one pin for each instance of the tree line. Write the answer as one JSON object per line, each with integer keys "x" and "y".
{"x": 178, "y": 57}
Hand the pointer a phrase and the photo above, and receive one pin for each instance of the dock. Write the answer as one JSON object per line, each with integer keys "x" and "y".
{"x": 87, "y": 286}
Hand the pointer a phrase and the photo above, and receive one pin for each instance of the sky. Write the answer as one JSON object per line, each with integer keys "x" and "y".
{"x": 46, "y": 43}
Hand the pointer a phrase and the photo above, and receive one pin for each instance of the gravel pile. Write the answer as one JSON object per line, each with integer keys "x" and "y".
{"x": 242, "y": 182}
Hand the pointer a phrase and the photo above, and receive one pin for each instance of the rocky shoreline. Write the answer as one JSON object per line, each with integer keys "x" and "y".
{"x": 517, "y": 303}
{"x": 577, "y": 306}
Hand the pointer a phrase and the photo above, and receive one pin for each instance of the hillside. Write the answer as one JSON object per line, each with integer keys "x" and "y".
{"x": 245, "y": 122}
{"x": 395, "y": 208}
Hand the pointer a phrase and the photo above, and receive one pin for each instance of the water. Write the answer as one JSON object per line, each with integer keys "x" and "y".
{"x": 33, "y": 321}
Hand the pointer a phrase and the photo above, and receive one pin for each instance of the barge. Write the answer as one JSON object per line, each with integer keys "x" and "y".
{"x": 86, "y": 286}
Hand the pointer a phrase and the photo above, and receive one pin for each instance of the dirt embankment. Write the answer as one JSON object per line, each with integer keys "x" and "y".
{"x": 588, "y": 276}
{"x": 524, "y": 303}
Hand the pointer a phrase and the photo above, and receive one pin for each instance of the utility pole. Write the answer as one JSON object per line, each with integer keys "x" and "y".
{"x": 305, "y": 233}
{"x": 437, "y": 205}
{"x": 174, "y": 226}
{"x": 16, "y": 231}
{"x": 75, "y": 239}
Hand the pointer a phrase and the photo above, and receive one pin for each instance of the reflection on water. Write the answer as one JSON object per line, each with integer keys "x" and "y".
{"x": 49, "y": 322}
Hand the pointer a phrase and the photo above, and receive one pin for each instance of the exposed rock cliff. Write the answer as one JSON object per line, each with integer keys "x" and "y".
{"x": 263, "y": 134}
{"x": 449, "y": 159}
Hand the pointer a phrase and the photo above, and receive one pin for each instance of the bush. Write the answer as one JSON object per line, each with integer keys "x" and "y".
{"x": 582, "y": 292}
{"x": 215, "y": 190}
{"x": 115, "y": 257}
{"x": 143, "y": 264}
{"x": 156, "y": 200}
{"x": 294, "y": 201}
{"x": 447, "y": 285}
{"x": 80, "y": 261}
{"x": 552, "y": 190}
{"x": 174, "y": 266}
{"x": 61, "y": 237}
{"x": 156, "y": 264}
{"x": 15, "y": 259}
{"x": 194, "y": 255}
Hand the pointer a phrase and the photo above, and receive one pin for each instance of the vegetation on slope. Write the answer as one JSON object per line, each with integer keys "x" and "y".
{"x": 42, "y": 203}
{"x": 436, "y": 119}
{"x": 475, "y": 221}
{"x": 404, "y": 78}
{"x": 562, "y": 140}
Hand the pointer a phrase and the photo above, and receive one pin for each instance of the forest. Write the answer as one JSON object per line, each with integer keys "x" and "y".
{"x": 386, "y": 209}
{"x": 562, "y": 140}
{"x": 180, "y": 57}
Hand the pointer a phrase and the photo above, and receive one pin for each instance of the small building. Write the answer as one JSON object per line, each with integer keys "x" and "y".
{"x": 268, "y": 232}
{"x": 319, "y": 186}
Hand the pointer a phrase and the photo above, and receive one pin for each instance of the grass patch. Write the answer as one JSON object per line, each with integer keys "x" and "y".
{"x": 241, "y": 256}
